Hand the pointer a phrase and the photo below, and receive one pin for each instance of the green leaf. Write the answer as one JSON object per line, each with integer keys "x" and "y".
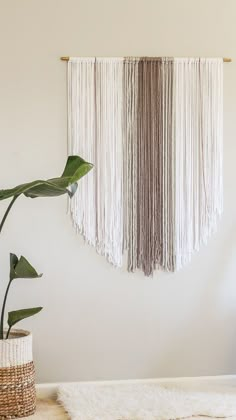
{"x": 22, "y": 269}
{"x": 13, "y": 261}
{"x": 16, "y": 316}
{"x": 75, "y": 168}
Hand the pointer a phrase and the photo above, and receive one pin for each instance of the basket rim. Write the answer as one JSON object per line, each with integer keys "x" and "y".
{"x": 17, "y": 334}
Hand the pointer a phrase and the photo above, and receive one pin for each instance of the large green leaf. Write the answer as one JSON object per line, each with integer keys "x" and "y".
{"x": 75, "y": 168}
{"x": 22, "y": 269}
{"x": 16, "y": 316}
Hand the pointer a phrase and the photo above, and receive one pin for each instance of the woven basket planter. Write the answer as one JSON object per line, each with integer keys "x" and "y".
{"x": 17, "y": 378}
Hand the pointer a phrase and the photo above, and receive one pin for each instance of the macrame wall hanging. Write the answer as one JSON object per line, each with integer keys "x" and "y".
{"x": 153, "y": 129}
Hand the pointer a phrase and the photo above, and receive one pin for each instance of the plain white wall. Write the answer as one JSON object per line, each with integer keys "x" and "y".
{"x": 99, "y": 322}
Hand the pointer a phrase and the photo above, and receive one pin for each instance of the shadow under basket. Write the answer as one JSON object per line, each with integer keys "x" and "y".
{"x": 17, "y": 376}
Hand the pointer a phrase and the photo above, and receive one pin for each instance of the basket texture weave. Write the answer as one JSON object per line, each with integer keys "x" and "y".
{"x": 17, "y": 376}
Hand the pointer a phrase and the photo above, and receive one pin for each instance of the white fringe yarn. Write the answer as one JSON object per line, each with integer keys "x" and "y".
{"x": 152, "y": 127}
{"x": 95, "y": 107}
{"x": 198, "y": 133}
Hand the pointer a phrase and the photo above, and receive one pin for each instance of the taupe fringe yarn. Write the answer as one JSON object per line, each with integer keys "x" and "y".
{"x": 153, "y": 129}
{"x": 17, "y": 376}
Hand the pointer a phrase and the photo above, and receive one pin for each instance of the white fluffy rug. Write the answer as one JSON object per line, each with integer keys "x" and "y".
{"x": 142, "y": 401}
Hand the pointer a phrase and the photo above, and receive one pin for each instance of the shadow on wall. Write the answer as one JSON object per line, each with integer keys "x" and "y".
{"x": 216, "y": 330}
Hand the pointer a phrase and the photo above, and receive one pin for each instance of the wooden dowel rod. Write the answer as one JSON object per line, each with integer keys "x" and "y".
{"x": 225, "y": 59}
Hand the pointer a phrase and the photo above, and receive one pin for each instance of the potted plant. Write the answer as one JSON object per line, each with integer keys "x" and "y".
{"x": 17, "y": 383}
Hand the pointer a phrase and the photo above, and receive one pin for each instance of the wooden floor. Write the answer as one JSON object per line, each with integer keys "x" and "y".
{"x": 48, "y": 409}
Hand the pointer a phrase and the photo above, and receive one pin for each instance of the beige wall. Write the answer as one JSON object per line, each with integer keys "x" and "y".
{"x": 99, "y": 322}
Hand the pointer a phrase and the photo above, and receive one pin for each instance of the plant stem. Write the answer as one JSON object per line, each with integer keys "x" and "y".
{"x": 8, "y": 332}
{"x": 5, "y": 297}
{"x": 7, "y": 211}
{"x": 3, "y": 312}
